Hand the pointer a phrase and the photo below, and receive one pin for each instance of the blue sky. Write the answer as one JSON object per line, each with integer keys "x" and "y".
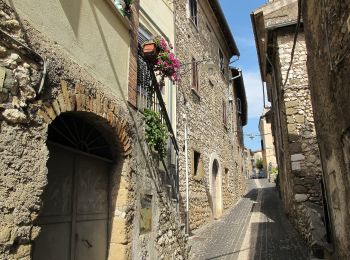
{"x": 238, "y": 16}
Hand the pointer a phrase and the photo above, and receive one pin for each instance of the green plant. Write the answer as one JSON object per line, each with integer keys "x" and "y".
{"x": 259, "y": 164}
{"x": 156, "y": 132}
{"x": 274, "y": 170}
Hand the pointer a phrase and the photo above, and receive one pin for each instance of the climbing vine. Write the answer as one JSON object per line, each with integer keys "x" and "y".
{"x": 156, "y": 132}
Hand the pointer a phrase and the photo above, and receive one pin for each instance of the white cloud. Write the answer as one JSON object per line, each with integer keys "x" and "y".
{"x": 254, "y": 92}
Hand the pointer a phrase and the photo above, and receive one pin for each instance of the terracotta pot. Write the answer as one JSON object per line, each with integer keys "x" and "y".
{"x": 150, "y": 51}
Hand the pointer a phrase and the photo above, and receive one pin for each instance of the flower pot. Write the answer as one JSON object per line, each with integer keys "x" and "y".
{"x": 150, "y": 52}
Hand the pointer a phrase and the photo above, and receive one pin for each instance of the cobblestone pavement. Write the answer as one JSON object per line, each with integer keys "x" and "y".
{"x": 255, "y": 228}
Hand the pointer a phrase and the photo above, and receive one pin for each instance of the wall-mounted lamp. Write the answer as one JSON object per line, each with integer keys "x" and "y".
{"x": 239, "y": 75}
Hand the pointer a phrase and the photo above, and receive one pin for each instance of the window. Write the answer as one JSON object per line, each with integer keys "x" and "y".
{"x": 197, "y": 156}
{"x": 224, "y": 112}
{"x": 193, "y": 11}
{"x": 197, "y": 165}
{"x": 144, "y": 79}
{"x": 239, "y": 106}
{"x": 221, "y": 62}
{"x": 194, "y": 75}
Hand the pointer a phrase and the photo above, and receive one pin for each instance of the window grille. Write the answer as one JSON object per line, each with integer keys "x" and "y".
{"x": 193, "y": 11}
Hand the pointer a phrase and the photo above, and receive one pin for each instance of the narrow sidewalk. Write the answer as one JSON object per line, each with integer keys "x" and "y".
{"x": 255, "y": 228}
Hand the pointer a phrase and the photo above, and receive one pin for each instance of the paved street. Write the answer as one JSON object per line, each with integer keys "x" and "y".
{"x": 255, "y": 228}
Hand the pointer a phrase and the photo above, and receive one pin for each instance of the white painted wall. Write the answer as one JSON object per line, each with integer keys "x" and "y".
{"x": 89, "y": 30}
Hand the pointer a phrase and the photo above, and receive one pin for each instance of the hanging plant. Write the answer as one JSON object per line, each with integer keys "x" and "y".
{"x": 124, "y": 6}
{"x": 156, "y": 132}
{"x": 159, "y": 53}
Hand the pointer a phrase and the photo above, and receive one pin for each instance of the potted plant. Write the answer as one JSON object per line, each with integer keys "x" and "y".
{"x": 150, "y": 52}
{"x": 159, "y": 53}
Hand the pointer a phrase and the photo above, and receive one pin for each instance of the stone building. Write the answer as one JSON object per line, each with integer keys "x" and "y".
{"x": 293, "y": 126}
{"x": 248, "y": 163}
{"x": 267, "y": 142}
{"x": 327, "y": 27}
{"x": 77, "y": 179}
{"x": 211, "y": 110}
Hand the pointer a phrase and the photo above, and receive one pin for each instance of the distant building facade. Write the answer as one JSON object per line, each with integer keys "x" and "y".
{"x": 267, "y": 142}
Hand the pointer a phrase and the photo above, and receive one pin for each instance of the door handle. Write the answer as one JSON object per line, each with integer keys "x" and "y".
{"x": 87, "y": 243}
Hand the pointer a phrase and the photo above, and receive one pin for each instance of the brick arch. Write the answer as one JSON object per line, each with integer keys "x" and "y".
{"x": 95, "y": 102}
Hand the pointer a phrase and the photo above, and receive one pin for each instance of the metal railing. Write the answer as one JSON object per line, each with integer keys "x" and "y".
{"x": 149, "y": 96}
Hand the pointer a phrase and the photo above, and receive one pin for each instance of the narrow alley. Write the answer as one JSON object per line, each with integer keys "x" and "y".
{"x": 255, "y": 228}
{"x": 160, "y": 129}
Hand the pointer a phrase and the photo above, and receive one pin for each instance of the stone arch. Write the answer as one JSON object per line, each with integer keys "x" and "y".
{"x": 215, "y": 180}
{"x": 94, "y": 105}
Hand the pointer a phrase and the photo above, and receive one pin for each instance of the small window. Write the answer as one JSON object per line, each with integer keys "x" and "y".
{"x": 221, "y": 62}
{"x": 196, "y": 159}
{"x": 195, "y": 75}
{"x": 224, "y": 112}
{"x": 144, "y": 79}
{"x": 197, "y": 165}
{"x": 239, "y": 106}
{"x": 193, "y": 11}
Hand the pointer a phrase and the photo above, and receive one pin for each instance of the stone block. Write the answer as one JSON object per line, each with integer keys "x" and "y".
{"x": 290, "y": 111}
{"x": 292, "y": 129}
{"x": 300, "y": 119}
{"x": 5, "y": 234}
{"x": 122, "y": 198}
{"x": 297, "y": 157}
{"x": 23, "y": 251}
{"x": 296, "y": 166}
{"x": 119, "y": 231}
{"x": 65, "y": 93}
{"x": 14, "y": 116}
{"x": 56, "y": 107}
{"x": 50, "y": 111}
{"x": 300, "y": 189}
{"x": 293, "y": 103}
{"x": 300, "y": 197}
{"x": 118, "y": 252}
{"x": 295, "y": 147}
{"x": 61, "y": 103}
{"x": 44, "y": 116}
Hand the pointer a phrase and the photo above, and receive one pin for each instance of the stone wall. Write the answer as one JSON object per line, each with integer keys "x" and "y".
{"x": 203, "y": 109}
{"x": 26, "y": 114}
{"x": 327, "y": 30}
{"x": 299, "y": 162}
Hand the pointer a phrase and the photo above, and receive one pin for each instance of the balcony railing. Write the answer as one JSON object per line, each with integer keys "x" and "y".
{"x": 149, "y": 96}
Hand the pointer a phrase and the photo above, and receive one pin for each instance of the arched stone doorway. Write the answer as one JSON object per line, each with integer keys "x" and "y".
{"x": 215, "y": 178}
{"x": 74, "y": 219}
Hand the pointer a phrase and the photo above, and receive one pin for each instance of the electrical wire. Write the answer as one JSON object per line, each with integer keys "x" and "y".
{"x": 300, "y": 2}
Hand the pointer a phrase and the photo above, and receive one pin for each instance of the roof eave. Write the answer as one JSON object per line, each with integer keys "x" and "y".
{"x": 215, "y": 5}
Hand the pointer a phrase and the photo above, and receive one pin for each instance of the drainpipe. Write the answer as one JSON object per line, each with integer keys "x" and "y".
{"x": 187, "y": 185}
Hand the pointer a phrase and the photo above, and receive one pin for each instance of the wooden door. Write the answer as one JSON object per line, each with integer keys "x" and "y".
{"x": 75, "y": 212}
